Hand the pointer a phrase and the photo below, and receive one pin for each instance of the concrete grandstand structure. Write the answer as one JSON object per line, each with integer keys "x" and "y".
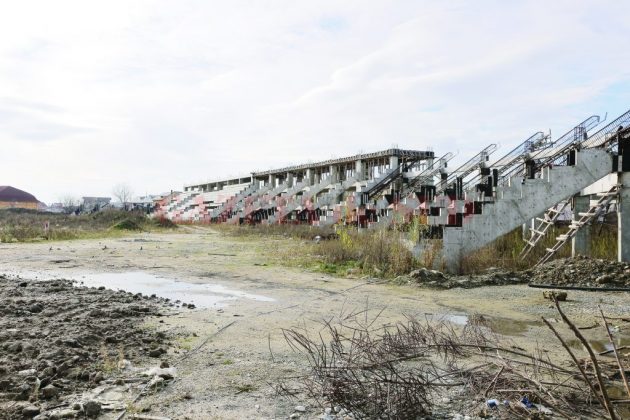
{"x": 586, "y": 169}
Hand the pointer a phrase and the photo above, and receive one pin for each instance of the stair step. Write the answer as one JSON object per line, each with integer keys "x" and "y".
{"x": 588, "y": 214}
{"x": 548, "y": 222}
{"x": 607, "y": 194}
{"x": 562, "y": 238}
{"x": 550, "y": 250}
{"x": 537, "y": 231}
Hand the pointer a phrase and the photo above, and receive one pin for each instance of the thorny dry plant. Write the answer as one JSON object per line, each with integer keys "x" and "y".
{"x": 398, "y": 371}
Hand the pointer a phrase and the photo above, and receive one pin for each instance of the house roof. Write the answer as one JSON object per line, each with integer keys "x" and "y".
{"x": 11, "y": 194}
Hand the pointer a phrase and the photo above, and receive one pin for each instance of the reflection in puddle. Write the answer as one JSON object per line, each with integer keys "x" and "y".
{"x": 503, "y": 326}
{"x": 202, "y": 295}
{"x": 603, "y": 345}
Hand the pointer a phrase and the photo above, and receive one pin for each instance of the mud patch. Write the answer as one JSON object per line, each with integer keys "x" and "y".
{"x": 57, "y": 339}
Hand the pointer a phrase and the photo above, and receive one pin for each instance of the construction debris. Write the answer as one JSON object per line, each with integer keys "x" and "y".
{"x": 581, "y": 272}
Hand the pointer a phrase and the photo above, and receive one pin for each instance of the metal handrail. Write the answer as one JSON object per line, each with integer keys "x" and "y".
{"x": 566, "y": 141}
{"x": 513, "y": 157}
{"x": 469, "y": 166}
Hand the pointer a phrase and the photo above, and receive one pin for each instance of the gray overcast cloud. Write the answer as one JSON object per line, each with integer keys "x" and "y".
{"x": 160, "y": 93}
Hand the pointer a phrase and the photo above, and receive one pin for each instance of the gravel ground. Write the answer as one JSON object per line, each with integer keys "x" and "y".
{"x": 231, "y": 356}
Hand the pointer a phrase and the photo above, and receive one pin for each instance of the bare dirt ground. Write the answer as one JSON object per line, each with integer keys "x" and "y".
{"x": 228, "y": 357}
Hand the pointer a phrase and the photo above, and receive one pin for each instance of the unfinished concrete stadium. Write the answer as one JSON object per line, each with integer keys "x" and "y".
{"x": 585, "y": 169}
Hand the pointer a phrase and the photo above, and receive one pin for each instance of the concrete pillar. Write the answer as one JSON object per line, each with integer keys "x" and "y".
{"x": 393, "y": 162}
{"x": 289, "y": 179}
{"x": 308, "y": 177}
{"x": 581, "y": 242}
{"x": 334, "y": 174}
{"x": 623, "y": 218}
{"x": 359, "y": 173}
{"x": 272, "y": 180}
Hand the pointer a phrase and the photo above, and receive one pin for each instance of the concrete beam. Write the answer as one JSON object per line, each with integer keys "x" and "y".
{"x": 581, "y": 242}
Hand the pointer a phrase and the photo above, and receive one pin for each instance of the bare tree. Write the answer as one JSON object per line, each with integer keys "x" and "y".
{"x": 123, "y": 193}
{"x": 69, "y": 203}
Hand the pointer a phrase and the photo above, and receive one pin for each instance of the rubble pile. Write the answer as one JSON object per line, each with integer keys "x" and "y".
{"x": 581, "y": 272}
{"x": 438, "y": 280}
{"x": 57, "y": 339}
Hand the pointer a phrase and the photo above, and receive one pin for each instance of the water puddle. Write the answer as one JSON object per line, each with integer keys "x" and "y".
{"x": 201, "y": 295}
{"x": 503, "y": 326}
{"x": 600, "y": 346}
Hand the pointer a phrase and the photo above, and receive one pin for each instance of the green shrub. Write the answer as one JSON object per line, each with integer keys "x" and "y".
{"x": 126, "y": 224}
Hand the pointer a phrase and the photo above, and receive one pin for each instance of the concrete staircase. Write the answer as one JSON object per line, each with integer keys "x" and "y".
{"x": 517, "y": 202}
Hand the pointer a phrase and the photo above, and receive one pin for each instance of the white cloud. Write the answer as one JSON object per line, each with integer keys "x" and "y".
{"x": 158, "y": 93}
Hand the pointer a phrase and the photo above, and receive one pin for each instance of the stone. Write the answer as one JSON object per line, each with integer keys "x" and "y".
{"x": 300, "y": 408}
{"x": 14, "y": 347}
{"x": 50, "y": 391}
{"x": 63, "y": 414}
{"x": 155, "y": 382}
{"x": 92, "y": 408}
{"x": 30, "y": 411}
{"x": 550, "y": 294}
{"x": 156, "y": 352}
{"x": 27, "y": 372}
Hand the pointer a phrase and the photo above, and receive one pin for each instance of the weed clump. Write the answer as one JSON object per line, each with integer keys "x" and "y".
{"x": 380, "y": 253}
{"x": 126, "y": 224}
{"x": 165, "y": 223}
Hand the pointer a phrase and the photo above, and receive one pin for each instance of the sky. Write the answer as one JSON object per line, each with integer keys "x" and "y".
{"x": 158, "y": 94}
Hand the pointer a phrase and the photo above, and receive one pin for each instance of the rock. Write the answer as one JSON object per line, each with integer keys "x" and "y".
{"x": 423, "y": 275}
{"x": 551, "y": 294}
{"x": 63, "y": 414}
{"x": 36, "y": 308}
{"x": 156, "y": 352}
{"x": 155, "y": 382}
{"x": 300, "y": 408}
{"x": 27, "y": 372}
{"x": 92, "y": 408}
{"x": 30, "y": 411}
{"x": 14, "y": 347}
{"x": 294, "y": 416}
{"x": 50, "y": 391}
{"x": 164, "y": 364}
{"x": 98, "y": 377}
{"x": 5, "y": 385}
